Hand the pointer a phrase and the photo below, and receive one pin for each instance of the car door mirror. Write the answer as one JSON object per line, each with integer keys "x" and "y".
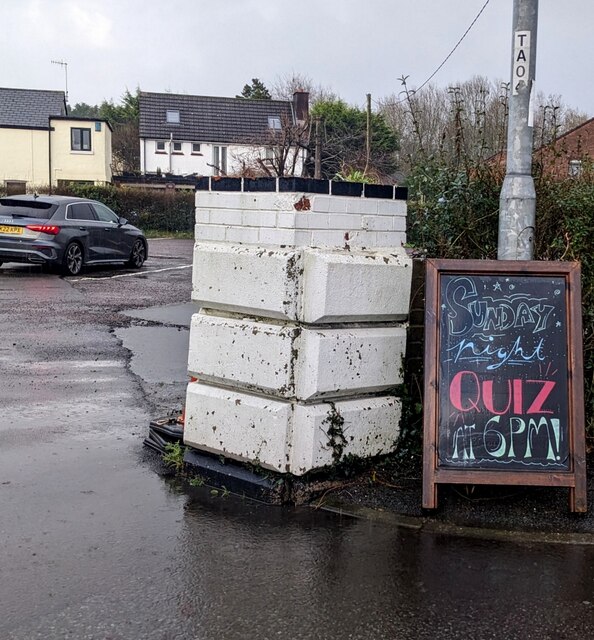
{"x": 122, "y": 222}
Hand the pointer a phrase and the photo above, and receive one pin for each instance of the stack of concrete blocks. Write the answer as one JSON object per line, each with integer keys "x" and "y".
{"x": 299, "y": 341}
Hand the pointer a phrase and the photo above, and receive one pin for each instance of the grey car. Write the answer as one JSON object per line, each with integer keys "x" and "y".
{"x": 68, "y": 233}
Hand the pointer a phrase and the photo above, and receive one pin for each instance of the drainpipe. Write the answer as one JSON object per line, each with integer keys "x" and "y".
{"x": 170, "y": 152}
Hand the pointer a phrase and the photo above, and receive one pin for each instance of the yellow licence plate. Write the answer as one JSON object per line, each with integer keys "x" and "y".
{"x": 15, "y": 230}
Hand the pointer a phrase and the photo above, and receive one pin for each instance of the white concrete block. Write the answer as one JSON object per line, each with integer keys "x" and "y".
{"x": 344, "y": 221}
{"x": 255, "y": 280}
{"x": 226, "y": 216}
{"x": 391, "y": 207}
{"x": 324, "y": 433}
{"x": 399, "y": 224}
{"x": 362, "y": 239}
{"x": 203, "y": 216}
{"x": 226, "y": 200}
{"x": 378, "y": 223}
{"x": 285, "y": 220}
{"x": 362, "y": 206}
{"x": 303, "y": 237}
{"x": 320, "y": 204}
{"x": 338, "y": 204}
{"x": 239, "y": 426}
{"x": 266, "y": 201}
{"x": 242, "y": 353}
{"x": 390, "y": 239}
{"x": 208, "y": 232}
{"x": 311, "y": 220}
{"x": 259, "y": 218}
{"x": 242, "y": 235}
{"x": 355, "y": 286}
{"x": 322, "y": 238}
{"x": 277, "y": 237}
{"x": 340, "y": 362}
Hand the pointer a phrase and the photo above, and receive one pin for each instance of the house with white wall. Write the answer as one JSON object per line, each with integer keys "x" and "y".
{"x": 41, "y": 145}
{"x": 218, "y": 136}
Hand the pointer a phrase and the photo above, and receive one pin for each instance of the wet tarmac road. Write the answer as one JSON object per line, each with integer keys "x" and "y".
{"x": 96, "y": 542}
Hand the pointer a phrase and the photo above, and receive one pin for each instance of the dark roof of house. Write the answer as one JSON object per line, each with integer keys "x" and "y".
{"x": 210, "y": 119}
{"x": 30, "y": 108}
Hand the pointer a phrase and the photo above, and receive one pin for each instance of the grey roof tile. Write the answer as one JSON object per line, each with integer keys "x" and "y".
{"x": 30, "y": 107}
{"x": 210, "y": 119}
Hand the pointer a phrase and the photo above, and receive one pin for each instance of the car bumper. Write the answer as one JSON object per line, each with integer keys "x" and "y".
{"x": 35, "y": 252}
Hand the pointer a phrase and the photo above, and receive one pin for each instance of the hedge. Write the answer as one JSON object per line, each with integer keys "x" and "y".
{"x": 150, "y": 209}
{"x": 453, "y": 214}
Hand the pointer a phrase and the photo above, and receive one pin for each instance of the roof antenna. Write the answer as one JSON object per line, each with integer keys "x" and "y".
{"x": 64, "y": 65}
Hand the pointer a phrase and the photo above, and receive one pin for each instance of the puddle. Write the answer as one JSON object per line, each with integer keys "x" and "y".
{"x": 175, "y": 314}
{"x": 159, "y": 354}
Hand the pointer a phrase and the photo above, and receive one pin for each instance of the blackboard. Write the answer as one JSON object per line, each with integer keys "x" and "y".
{"x": 503, "y": 376}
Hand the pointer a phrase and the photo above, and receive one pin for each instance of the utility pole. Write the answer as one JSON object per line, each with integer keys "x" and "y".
{"x": 517, "y": 202}
{"x": 368, "y": 136}
{"x": 318, "y": 149}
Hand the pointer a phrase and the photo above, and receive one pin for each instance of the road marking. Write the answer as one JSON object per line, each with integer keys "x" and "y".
{"x": 127, "y": 275}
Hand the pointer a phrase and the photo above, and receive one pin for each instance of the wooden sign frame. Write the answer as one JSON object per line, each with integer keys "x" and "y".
{"x": 443, "y": 461}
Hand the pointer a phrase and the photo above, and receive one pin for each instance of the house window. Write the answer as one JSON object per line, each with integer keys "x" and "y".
{"x": 274, "y": 122}
{"x": 575, "y": 168}
{"x": 219, "y": 160}
{"x": 160, "y": 146}
{"x": 195, "y": 147}
{"x": 97, "y": 126}
{"x": 172, "y": 116}
{"x": 80, "y": 139}
{"x": 177, "y": 147}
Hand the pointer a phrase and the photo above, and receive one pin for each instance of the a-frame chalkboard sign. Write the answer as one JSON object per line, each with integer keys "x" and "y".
{"x": 503, "y": 376}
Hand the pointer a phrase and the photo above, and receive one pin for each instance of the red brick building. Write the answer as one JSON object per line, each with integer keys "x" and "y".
{"x": 570, "y": 154}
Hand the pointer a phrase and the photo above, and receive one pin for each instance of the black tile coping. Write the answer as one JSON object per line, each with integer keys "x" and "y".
{"x": 309, "y": 185}
{"x": 225, "y": 184}
{"x": 259, "y": 184}
{"x": 306, "y": 185}
{"x": 385, "y": 191}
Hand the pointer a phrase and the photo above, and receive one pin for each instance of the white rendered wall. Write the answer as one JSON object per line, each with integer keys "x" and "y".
{"x": 299, "y": 341}
{"x": 185, "y": 162}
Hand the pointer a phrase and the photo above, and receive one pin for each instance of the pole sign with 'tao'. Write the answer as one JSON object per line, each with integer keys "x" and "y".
{"x": 503, "y": 376}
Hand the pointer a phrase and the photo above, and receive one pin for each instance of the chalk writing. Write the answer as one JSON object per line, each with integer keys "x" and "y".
{"x": 503, "y": 391}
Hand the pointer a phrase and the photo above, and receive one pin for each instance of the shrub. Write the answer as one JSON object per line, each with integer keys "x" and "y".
{"x": 455, "y": 214}
{"x": 150, "y": 209}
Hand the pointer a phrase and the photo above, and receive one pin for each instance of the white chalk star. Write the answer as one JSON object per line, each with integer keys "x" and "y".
{"x": 497, "y": 287}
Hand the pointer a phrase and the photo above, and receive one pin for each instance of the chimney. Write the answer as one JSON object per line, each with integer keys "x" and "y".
{"x": 301, "y": 105}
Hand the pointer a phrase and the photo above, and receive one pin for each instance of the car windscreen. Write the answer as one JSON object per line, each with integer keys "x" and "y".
{"x": 26, "y": 208}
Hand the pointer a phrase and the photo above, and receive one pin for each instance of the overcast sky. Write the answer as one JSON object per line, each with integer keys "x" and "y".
{"x": 354, "y": 47}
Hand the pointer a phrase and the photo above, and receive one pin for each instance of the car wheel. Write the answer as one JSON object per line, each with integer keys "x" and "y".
{"x": 137, "y": 255}
{"x": 72, "y": 263}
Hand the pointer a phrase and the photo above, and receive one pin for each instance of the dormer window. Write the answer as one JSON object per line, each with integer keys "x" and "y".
{"x": 274, "y": 122}
{"x": 172, "y": 116}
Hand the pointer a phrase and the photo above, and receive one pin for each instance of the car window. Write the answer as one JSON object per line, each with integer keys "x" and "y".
{"x": 104, "y": 214}
{"x": 80, "y": 211}
{"x": 26, "y": 208}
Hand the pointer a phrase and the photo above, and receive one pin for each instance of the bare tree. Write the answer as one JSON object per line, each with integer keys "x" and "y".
{"x": 281, "y": 152}
{"x": 466, "y": 122}
{"x": 286, "y": 85}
